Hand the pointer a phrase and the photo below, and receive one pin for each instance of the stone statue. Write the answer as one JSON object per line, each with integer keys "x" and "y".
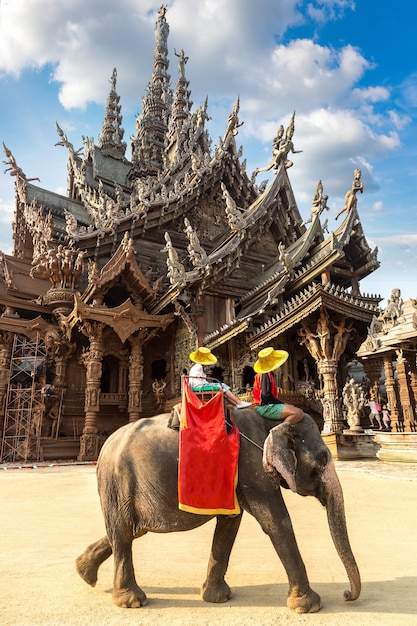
{"x": 202, "y": 116}
{"x": 281, "y": 147}
{"x": 323, "y": 333}
{"x": 71, "y": 226}
{"x": 63, "y": 267}
{"x": 233, "y": 214}
{"x": 285, "y": 258}
{"x": 64, "y": 141}
{"x": 310, "y": 341}
{"x": 176, "y": 270}
{"x": 233, "y": 121}
{"x": 286, "y": 146}
{"x": 13, "y": 168}
{"x": 197, "y": 254}
{"x": 158, "y": 387}
{"x": 350, "y": 198}
{"x": 354, "y": 401}
{"x": 394, "y": 307}
{"x": 341, "y": 338}
{"x": 319, "y": 204}
{"x": 182, "y": 60}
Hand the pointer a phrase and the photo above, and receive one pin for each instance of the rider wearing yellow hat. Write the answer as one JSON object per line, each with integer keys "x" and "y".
{"x": 265, "y": 391}
{"x": 198, "y": 379}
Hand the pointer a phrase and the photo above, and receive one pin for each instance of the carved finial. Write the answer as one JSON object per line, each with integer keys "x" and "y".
{"x": 233, "y": 122}
{"x": 13, "y": 168}
{"x": 64, "y": 141}
{"x": 162, "y": 11}
{"x": 233, "y": 214}
{"x": 319, "y": 203}
{"x": 197, "y": 254}
{"x": 350, "y": 198}
{"x": 113, "y": 79}
{"x": 281, "y": 147}
{"x": 182, "y": 61}
{"x": 176, "y": 270}
{"x": 71, "y": 226}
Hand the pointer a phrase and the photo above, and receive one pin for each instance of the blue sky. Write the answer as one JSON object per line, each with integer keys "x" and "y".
{"x": 348, "y": 69}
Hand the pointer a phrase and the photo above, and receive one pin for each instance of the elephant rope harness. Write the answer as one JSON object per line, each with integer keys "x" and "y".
{"x": 229, "y": 424}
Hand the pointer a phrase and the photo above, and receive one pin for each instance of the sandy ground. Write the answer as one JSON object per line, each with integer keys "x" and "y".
{"x": 50, "y": 514}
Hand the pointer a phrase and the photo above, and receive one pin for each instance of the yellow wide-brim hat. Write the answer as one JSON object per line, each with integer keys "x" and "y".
{"x": 270, "y": 360}
{"x": 203, "y": 356}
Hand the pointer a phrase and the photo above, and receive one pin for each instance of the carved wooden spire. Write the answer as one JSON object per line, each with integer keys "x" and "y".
{"x": 152, "y": 125}
{"x": 111, "y": 137}
{"x": 182, "y": 105}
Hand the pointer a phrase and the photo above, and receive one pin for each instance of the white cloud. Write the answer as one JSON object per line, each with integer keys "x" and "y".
{"x": 325, "y": 10}
{"x": 405, "y": 240}
{"x": 6, "y": 218}
{"x": 377, "y": 206}
{"x": 372, "y": 94}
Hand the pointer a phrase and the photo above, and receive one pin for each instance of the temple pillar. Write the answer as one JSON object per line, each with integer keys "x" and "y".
{"x": 92, "y": 358}
{"x": 404, "y": 391}
{"x": 391, "y": 392}
{"x": 373, "y": 370}
{"x": 123, "y": 373}
{"x": 332, "y": 410}
{"x": 413, "y": 390}
{"x": 326, "y": 347}
{"x": 135, "y": 377}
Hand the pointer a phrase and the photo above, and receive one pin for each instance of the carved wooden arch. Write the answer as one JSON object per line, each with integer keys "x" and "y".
{"x": 122, "y": 264}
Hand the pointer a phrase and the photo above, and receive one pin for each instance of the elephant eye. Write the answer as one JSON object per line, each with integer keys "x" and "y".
{"x": 322, "y": 458}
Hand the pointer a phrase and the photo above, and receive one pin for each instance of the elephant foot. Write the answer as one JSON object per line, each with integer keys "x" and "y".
{"x": 309, "y": 602}
{"x": 89, "y": 561}
{"x": 86, "y": 569}
{"x": 219, "y": 592}
{"x": 130, "y": 598}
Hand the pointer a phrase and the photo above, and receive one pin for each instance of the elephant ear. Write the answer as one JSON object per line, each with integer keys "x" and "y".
{"x": 279, "y": 456}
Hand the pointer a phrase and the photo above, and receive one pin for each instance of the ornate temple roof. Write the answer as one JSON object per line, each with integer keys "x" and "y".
{"x": 178, "y": 221}
{"x": 393, "y": 329}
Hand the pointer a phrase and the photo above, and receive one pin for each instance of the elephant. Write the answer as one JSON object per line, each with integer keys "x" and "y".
{"x": 137, "y": 474}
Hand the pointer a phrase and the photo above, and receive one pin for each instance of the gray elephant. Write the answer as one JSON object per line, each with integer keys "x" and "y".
{"x": 137, "y": 480}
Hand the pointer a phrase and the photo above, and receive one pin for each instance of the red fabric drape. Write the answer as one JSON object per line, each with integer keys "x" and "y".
{"x": 208, "y": 460}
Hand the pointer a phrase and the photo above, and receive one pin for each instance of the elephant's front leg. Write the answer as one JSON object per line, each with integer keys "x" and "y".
{"x": 301, "y": 598}
{"x": 215, "y": 588}
{"x": 126, "y": 592}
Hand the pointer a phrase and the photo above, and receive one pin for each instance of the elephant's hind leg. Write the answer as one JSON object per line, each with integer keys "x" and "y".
{"x": 215, "y": 588}
{"x": 126, "y": 592}
{"x": 89, "y": 561}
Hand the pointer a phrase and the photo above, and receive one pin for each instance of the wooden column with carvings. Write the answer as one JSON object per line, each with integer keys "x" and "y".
{"x": 93, "y": 358}
{"x": 373, "y": 370}
{"x": 413, "y": 389}
{"x": 391, "y": 390}
{"x": 135, "y": 376}
{"x": 326, "y": 347}
{"x": 404, "y": 391}
{"x": 332, "y": 409}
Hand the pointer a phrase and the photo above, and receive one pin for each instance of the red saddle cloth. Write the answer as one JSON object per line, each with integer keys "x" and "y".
{"x": 208, "y": 460}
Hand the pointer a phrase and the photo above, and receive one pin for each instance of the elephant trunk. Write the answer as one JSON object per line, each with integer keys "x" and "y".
{"x": 338, "y": 530}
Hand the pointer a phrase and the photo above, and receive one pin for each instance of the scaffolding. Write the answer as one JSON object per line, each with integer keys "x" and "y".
{"x": 25, "y": 406}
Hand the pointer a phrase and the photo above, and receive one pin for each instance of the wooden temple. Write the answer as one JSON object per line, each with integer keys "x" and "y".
{"x": 110, "y": 287}
{"x": 390, "y": 348}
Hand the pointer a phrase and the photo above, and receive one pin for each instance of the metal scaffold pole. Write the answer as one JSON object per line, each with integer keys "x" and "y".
{"x": 25, "y": 405}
